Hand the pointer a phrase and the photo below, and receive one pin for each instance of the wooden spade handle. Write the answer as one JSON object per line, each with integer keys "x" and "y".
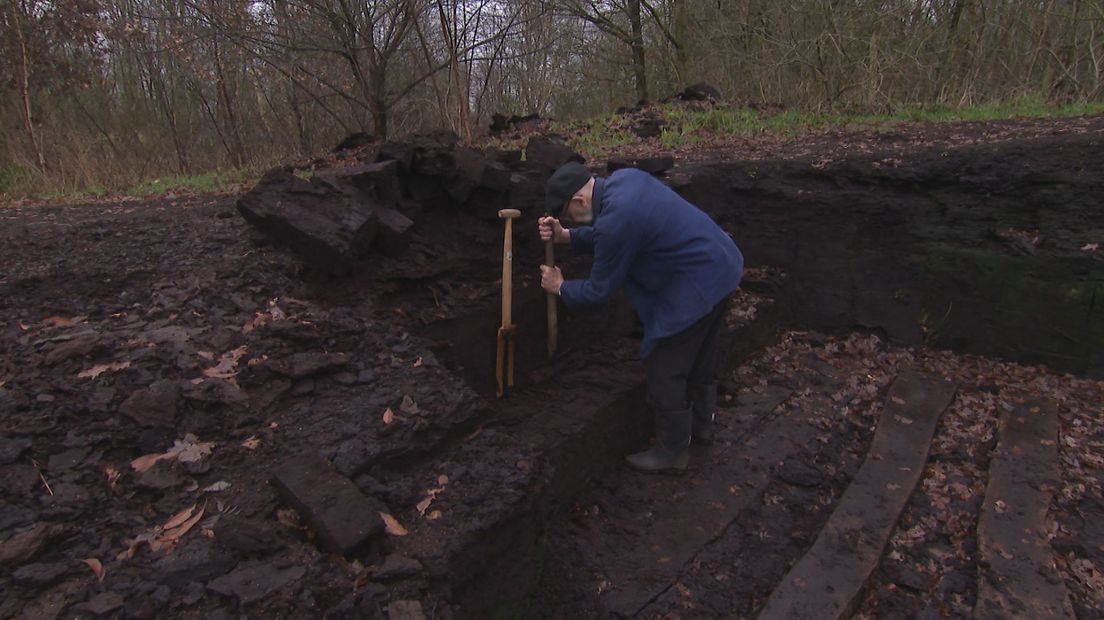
{"x": 550, "y": 260}
{"x": 507, "y": 265}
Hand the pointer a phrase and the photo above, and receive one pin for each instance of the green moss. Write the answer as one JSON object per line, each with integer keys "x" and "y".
{"x": 1033, "y": 307}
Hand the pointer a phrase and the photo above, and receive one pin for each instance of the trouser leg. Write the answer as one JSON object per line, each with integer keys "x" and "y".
{"x": 670, "y": 367}
{"x": 702, "y": 382}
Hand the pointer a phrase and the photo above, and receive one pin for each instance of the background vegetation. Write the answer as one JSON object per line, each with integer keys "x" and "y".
{"x": 108, "y": 94}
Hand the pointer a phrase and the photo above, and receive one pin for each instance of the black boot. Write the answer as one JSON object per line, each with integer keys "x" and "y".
{"x": 671, "y": 452}
{"x": 704, "y": 398}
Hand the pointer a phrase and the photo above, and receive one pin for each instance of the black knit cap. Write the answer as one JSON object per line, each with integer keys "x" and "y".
{"x": 564, "y": 182}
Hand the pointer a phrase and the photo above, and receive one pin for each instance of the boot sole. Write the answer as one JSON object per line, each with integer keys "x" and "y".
{"x": 668, "y": 471}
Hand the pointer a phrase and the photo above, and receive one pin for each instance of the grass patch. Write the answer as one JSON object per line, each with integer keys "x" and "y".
{"x": 12, "y": 178}
{"x": 687, "y": 125}
{"x": 15, "y": 183}
{"x": 197, "y": 184}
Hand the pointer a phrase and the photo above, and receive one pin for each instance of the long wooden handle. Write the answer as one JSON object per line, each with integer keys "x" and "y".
{"x": 553, "y": 328}
{"x": 508, "y": 274}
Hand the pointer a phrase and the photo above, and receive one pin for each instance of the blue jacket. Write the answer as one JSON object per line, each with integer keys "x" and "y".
{"x": 673, "y": 260}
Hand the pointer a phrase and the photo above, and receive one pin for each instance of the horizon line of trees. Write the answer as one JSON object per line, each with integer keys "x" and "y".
{"x": 108, "y": 92}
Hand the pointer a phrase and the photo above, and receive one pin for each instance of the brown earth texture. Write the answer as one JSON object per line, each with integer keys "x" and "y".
{"x": 202, "y": 418}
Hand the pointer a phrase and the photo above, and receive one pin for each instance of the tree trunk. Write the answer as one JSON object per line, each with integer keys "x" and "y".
{"x": 463, "y": 116}
{"x": 25, "y": 91}
{"x": 637, "y": 44}
{"x": 377, "y": 101}
{"x": 237, "y": 149}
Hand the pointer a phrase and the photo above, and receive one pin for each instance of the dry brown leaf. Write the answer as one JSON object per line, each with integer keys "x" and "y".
{"x": 434, "y": 515}
{"x": 442, "y": 480}
{"x": 177, "y": 532}
{"x": 97, "y": 568}
{"x": 252, "y": 443}
{"x": 388, "y": 416}
{"x": 228, "y": 364}
{"x": 58, "y": 321}
{"x": 143, "y": 463}
{"x": 422, "y": 505}
{"x": 110, "y": 473}
{"x": 190, "y": 450}
{"x": 169, "y": 537}
{"x": 392, "y": 525}
{"x": 179, "y": 517}
{"x": 99, "y": 369}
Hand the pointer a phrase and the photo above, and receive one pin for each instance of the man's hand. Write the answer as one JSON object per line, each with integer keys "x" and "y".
{"x": 550, "y": 228}
{"x": 551, "y": 279}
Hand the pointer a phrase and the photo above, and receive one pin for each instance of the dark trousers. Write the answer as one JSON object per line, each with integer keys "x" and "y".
{"x": 688, "y": 358}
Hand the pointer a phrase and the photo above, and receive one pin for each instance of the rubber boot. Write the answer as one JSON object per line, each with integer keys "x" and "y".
{"x": 704, "y": 399}
{"x": 671, "y": 452}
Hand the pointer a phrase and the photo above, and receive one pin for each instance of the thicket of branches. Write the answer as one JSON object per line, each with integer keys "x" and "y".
{"x": 106, "y": 92}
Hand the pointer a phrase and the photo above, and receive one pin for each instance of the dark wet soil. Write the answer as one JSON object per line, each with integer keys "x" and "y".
{"x": 128, "y": 328}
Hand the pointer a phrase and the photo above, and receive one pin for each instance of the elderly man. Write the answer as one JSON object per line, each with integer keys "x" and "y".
{"x": 678, "y": 268}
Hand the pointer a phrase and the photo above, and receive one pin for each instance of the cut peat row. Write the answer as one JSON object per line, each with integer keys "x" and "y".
{"x": 826, "y": 581}
{"x": 492, "y": 495}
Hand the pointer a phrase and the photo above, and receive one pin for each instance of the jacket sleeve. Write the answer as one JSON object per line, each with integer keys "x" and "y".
{"x": 614, "y": 253}
{"x": 582, "y": 240}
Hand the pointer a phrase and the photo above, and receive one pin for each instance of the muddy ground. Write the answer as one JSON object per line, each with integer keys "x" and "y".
{"x": 164, "y": 367}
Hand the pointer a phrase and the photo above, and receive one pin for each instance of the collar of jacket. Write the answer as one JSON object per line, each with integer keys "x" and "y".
{"x": 596, "y": 197}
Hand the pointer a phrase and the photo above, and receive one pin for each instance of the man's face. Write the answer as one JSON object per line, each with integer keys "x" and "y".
{"x": 579, "y": 210}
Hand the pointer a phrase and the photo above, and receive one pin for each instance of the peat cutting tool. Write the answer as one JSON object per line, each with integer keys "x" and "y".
{"x": 550, "y": 260}
{"x": 506, "y": 332}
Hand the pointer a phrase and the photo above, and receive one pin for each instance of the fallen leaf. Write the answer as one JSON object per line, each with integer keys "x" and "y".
{"x": 97, "y": 568}
{"x": 179, "y": 517}
{"x": 217, "y": 487}
{"x": 168, "y": 539}
{"x": 190, "y": 450}
{"x": 388, "y": 416}
{"x": 392, "y": 525}
{"x": 99, "y": 369}
{"x": 58, "y": 321}
{"x": 143, "y": 463}
{"x": 892, "y": 487}
{"x": 442, "y": 480}
{"x": 252, "y": 443}
{"x": 434, "y": 515}
{"x": 1090, "y": 247}
{"x": 422, "y": 505}
{"x": 418, "y": 362}
{"x": 898, "y": 400}
{"x": 228, "y": 364}
{"x": 110, "y": 473}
